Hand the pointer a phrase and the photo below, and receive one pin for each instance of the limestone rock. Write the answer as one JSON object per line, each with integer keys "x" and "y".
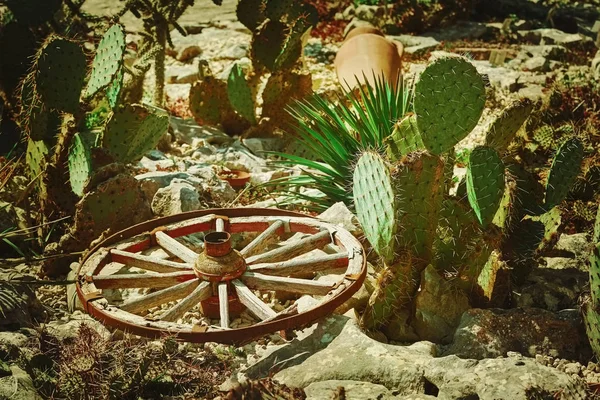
{"x": 180, "y": 196}
{"x": 18, "y": 386}
{"x": 494, "y": 332}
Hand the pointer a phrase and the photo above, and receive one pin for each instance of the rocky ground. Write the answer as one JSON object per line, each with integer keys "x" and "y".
{"x": 536, "y": 350}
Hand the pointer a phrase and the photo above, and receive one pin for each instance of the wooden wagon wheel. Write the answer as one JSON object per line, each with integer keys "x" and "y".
{"x": 175, "y": 279}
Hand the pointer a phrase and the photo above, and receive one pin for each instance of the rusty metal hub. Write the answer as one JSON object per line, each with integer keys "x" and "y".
{"x": 219, "y": 262}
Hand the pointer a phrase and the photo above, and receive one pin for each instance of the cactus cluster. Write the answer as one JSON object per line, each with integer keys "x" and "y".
{"x": 55, "y": 114}
{"x": 463, "y": 235}
{"x": 278, "y": 28}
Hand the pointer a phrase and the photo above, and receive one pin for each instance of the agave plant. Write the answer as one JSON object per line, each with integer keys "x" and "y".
{"x": 332, "y": 135}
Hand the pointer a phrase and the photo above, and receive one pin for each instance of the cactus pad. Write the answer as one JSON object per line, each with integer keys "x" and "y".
{"x": 36, "y": 157}
{"x": 33, "y": 12}
{"x": 506, "y": 125}
{"x": 80, "y": 161}
{"x": 419, "y": 189}
{"x": 61, "y": 71}
{"x": 208, "y": 99}
{"x": 404, "y": 139}
{"x": 596, "y": 235}
{"x": 375, "y": 203}
{"x": 449, "y": 100}
{"x": 113, "y": 91}
{"x": 240, "y": 95}
{"x": 251, "y": 13}
{"x": 107, "y": 61}
{"x": 566, "y": 165}
{"x": 132, "y": 131}
{"x": 276, "y": 46}
{"x": 485, "y": 183}
{"x": 281, "y": 89}
{"x": 291, "y": 10}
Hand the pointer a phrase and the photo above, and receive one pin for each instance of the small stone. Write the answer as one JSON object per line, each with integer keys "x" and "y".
{"x": 540, "y": 358}
{"x": 591, "y": 366}
{"x": 572, "y": 368}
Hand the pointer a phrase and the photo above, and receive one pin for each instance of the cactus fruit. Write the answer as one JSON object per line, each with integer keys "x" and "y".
{"x": 80, "y": 161}
{"x": 208, "y": 99}
{"x": 504, "y": 128}
{"x": 108, "y": 60}
{"x": 417, "y": 181}
{"x": 449, "y": 100}
{"x": 132, "y": 131}
{"x": 61, "y": 71}
{"x": 485, "y": 183}
{"x": 240, "y": 95}
{"x": 566, "y": 165}
{"x": 251, "y": 13}
{"x": 375, "y": 203}
{"x": 404, "y": 139}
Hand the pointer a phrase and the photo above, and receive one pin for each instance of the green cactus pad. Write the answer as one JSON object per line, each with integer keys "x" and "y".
{"x": 566, "y": 165}
{"x": 374, "y": 202}
{"x": 36, "y": 157}
{"x": 132, "y": 131}
{"x": 291, "y": 10}
{"x": 61, "y": 70}
{"x": 404, "y": 139}
{"x": 275, "y": 46}
{"x": 504, "y": 128}
{"x": 240, "y": 95}
{"x": 419, "y": 191}
{"x": 113, "y": 91}
{"x": 282, "y": 88}
{"x": 80, "y": 161}
{"x": 208, "y": 100}
{"x": 591, "y": 315}
{"x": 251, "y": 13}
{"x": 449, "y": 100}
{"x": 108, "y": 60}
{"x": 544, "y": 136}
{"x": 596, "y": 235}
{"x": 485, "y": 183}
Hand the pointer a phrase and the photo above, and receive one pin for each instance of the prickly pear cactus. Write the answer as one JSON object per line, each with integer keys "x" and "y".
{"x": 418, "y": 186}
{"x": 449, "y": 100}
{"x": 276, "y": 46}
{"x": 485, "y": 183}
{"x": 504, "y": 128}
{"x": 61, "y": 70}
{"x": 132, "y": 131}
{"x": 566, "y": 165}
{"x": 208, "y": 99}
{"x": 375, "y": 203}
{"x": 281, "y": 89}
{"x": 36, "y": 157}
{"x": 240, "y": 95}
{"x": 251, "y": 13}
{"x": 108, "y": 60}
{"x": 592, "y": 307}
{"x": 404, "y": 139}
{"x": 33, "y": 12}
{"x": 80, "y": 161}
{"x": 113, "y": 91}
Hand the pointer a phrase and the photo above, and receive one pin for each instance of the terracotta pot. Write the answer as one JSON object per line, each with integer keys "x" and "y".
{"x": 366, "y": 51}
{"x": 236, "y": 178}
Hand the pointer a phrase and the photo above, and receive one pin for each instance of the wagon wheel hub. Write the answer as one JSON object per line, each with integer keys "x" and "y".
{"x": 241, "y": 282}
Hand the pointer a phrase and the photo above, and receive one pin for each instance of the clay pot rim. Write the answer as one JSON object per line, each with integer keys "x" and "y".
{"x": 240, "y": 179}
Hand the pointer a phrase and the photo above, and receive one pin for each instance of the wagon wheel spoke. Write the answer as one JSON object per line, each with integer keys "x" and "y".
{"x": 175, "y": 248}
{"x": 202, "y": 292}
{"x": 148, "y": 262}
{"x": 262, "y": 238}
{"x": 252, "y": 302}
{"x": 128, "y": 281}
{"x": 258, "y": 281}
{"x": 223, "y": 305}
{"x": 302, "y": 266}
{"x": 220, "y": 225}
{"x": 160, "y": 297}
{"x": 291, "y": 250}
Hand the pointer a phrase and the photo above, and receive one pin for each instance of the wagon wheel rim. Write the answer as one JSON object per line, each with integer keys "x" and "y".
{"x": 187, "y": 281}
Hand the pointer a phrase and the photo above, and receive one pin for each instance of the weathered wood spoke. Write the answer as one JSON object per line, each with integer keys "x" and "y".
{"x": 262, "y": 238}
{"x": 148, "y": 262}
{"x": 223, "y": 305}
{"x": 203, "y": 291}
{"x": 292, "y": 285}
{"x": 292, "y": 250}
{"x": 303, "y": 265}
{"x": 128, "y": 281}
{"x": 175, "y": 248}
{"x": 220, "y": 225}
{"x": 160, "y": 297}
{"x": 252, "y": 302}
